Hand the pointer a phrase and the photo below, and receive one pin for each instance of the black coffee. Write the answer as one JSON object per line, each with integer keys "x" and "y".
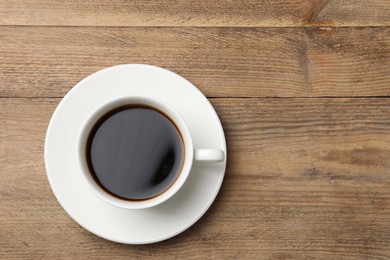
{"x": 135, "y": 152}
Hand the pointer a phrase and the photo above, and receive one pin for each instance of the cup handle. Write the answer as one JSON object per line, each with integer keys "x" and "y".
{"x": 209, "y": 155}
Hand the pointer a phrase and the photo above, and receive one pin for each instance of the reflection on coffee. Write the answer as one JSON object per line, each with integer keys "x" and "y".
{"x": 135, "y": 152}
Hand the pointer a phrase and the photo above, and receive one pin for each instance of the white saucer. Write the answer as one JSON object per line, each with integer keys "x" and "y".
{"x": 140, "y": 226}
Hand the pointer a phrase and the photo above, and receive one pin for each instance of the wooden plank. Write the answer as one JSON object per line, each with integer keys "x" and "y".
{"x": 222, "y": 62}
{"x": 249, "y": 13}
{"x": 307, "y": 178}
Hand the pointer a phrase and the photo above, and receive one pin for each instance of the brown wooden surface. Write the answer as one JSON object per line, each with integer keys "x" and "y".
{"x": 302, "y": 89}
{"x": 222, "y": 62}
{"x": 253, "y": 13}
{"x": 306, "y": 177}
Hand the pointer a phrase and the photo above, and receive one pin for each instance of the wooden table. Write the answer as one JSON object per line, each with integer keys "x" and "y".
{"x": 302, "y": 88}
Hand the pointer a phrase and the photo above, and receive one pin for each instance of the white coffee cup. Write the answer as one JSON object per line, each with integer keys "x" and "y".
{"x": 190, "y": 154}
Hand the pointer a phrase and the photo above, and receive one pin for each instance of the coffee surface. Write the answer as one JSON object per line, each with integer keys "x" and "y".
{"x": 135, "y": 152}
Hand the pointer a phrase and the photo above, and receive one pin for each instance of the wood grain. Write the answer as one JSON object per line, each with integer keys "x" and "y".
{"x": 307, "y": 178}
{"x": 222, "y": 62}
{"x": 248, "y": 13}
{"x": 308, "y": 169}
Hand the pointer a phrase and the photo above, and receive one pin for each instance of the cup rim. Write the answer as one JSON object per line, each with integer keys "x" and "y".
{"x": 153, "y": 102}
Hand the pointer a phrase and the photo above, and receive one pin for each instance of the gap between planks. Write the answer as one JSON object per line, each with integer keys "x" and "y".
{"x": 195, "y": 26}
